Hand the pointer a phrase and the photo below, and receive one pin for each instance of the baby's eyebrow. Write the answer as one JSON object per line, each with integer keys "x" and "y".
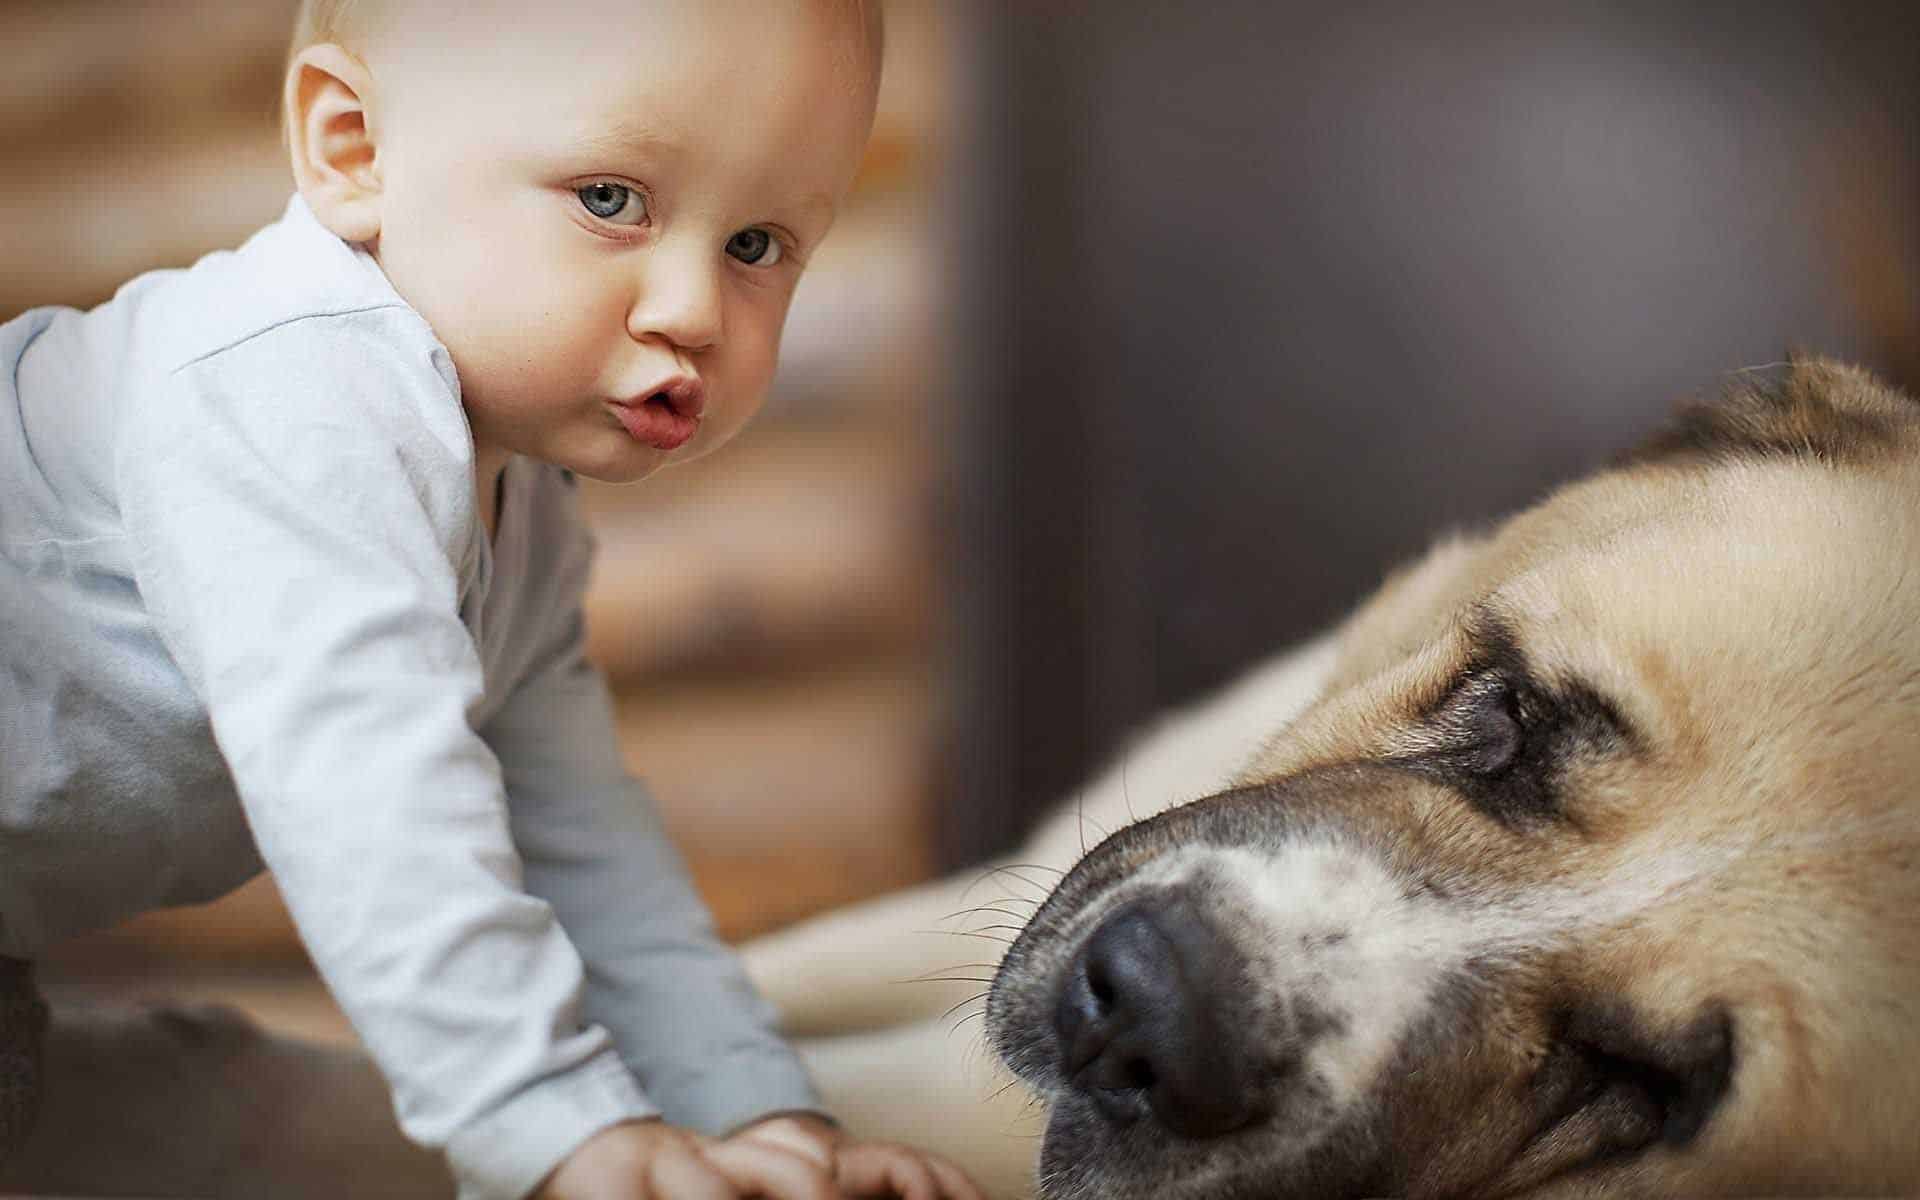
{"x": 815, "y": 206}
{"x": 621, "y": 137}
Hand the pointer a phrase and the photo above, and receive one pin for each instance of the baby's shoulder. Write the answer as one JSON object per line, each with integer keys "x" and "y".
{"x": 293, "y": 282}
{"x": 290, "y": 362}
{"x": 296, "y": 340}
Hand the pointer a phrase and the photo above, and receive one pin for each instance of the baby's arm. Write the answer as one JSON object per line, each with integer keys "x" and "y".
{"x": 677, "y": 999}
{"x": 679, "y": 1002}
{"x": 303, "y": 556}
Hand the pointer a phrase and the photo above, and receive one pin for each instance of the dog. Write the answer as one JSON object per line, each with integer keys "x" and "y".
{"x": 1582, "y": 861}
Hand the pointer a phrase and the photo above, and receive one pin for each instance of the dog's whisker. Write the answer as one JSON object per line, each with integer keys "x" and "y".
{"x": 1011, "y": 870}
{"x": 1027, "y": 866}
{"x": 984, "y": 908}
{"x": 973, "y": 999}
{"x": 990, "y": 907}
{"x": 972, "y": 966}
{"x": 947, "y": 979}
{"x": 972, "y": 933}
{"x": 1769, "y": 366}
{"x": 1040, "y": 886}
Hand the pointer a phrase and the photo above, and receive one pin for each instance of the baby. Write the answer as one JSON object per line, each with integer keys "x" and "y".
{"x": 291, "y": 567}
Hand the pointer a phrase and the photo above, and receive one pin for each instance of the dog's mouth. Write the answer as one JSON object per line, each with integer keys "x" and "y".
{"x": 1614, "y": 1086}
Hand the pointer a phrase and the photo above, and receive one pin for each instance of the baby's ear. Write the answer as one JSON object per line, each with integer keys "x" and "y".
{"x": 330, "y": 138}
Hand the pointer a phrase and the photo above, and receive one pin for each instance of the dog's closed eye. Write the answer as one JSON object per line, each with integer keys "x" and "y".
{"x": 1505, "y": 740}
{"x": 1482, "y": 729}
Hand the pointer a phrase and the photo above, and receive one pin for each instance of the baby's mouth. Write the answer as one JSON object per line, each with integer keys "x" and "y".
{"x": 665, "y": 417}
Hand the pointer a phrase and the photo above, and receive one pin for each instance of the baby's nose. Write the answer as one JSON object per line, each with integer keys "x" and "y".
{"x": 679, "y": 300}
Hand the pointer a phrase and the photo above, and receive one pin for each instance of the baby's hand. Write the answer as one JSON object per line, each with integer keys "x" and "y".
{"x": 864, "y": 1169}
{"x": 651, "y": 1160}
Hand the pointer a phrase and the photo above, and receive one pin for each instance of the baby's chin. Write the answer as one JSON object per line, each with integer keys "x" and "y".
{"x": 626, "y": 472}
{"x": 635, "y": 463}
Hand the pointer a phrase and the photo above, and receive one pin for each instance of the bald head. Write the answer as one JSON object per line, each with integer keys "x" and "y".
{"x": 353, "y": 23}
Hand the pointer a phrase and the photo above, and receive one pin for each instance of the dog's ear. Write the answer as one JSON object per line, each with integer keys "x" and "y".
{"x": 1814, "y": 409}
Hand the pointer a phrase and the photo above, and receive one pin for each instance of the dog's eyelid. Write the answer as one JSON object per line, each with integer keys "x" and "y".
{"x": 1547, "y": 695}
{"x": 1482, "y": 723}
{"x": 1491, "y": 689}
{"x": 1575, "y": 701}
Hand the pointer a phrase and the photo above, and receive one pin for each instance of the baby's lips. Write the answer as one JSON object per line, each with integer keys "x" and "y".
{"x": 654, "y": 421}
{"x": 684, "y": 394}
{"x": 665, "y": 415}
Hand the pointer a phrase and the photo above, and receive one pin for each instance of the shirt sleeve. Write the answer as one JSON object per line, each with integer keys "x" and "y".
{"x": 685, "y": 1017}
{"x": 299, "y": 509}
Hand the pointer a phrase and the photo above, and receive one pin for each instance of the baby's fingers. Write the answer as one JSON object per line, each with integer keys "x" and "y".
{"x": 885, "y": 1171}
{"x": 954, "y": 1184}
{"x": 770, "y": 1172}
{"x": 682, "y": 1175}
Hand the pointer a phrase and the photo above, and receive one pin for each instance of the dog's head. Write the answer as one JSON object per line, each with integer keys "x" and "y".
{"x": 1594, "y": 872}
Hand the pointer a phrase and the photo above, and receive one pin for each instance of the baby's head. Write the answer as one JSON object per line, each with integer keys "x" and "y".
{"x": 601, "y": 206}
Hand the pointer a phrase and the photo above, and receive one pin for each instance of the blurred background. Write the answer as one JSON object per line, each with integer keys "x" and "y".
{"x": 1154, "y": 336}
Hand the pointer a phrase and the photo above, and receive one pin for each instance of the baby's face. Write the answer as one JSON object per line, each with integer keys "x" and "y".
{"x": 602, "y": 207}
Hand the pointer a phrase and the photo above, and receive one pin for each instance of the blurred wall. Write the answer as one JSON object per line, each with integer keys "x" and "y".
{"x": 1263, "y": 295}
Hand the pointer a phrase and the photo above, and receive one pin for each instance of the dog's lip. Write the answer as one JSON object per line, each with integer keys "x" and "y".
{"x": 1622, "y": 1087}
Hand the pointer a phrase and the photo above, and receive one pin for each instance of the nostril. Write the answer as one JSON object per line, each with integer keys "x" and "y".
{"x": 1083, "y": 1018}
{"x": 1138, "y": 1073}
{"x": 1099, "y": 984}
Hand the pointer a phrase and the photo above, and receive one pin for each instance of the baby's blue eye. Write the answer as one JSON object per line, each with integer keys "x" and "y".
{"x": 755, "y": 247}
{"x": 615, "y": 202}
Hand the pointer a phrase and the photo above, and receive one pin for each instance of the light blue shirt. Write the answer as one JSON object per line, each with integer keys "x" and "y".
{"x": 248, "y": 613}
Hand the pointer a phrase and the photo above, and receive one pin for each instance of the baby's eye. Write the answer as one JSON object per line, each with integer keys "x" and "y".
{"x": 755, "y": 247}
{"x": 614, "y": 202}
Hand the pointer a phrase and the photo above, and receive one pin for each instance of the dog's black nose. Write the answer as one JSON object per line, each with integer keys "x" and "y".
{"x": 1141, "y": 1021}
